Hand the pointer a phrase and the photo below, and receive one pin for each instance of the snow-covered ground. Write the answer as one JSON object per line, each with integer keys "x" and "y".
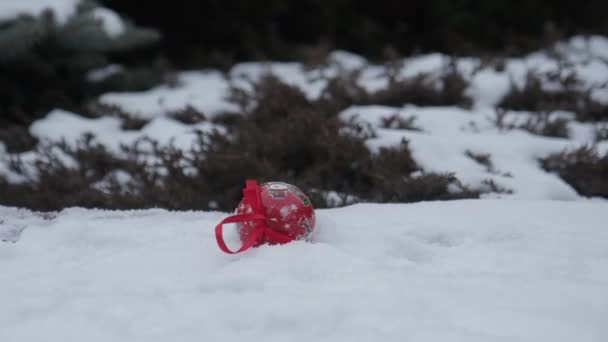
{"x": 475, "y": 270}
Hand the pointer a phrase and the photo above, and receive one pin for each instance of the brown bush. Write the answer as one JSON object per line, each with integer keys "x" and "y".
{"x": 540, "y": 124}
{"x": 489, "y": 185}
{"x": 601, "y": 133}
{"x": 16, "y": 138}
{"x": 129, "y": 121}
{"x": 543, "y": 125}
{"x": 532, "y": 97}
{"x": 188, "y": 115}
{"x": 279, "y": 135}
{"x": 448, "y": 89}
{"x": 397, "y": 122}
{"x": 583, "y": 169}
{"x": 481, "y": 159}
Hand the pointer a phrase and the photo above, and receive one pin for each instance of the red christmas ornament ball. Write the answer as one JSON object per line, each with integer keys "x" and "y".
{"x": 288, "y": 211}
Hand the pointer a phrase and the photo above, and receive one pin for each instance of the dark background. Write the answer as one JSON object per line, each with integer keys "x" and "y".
{"x": 221, "y": 32}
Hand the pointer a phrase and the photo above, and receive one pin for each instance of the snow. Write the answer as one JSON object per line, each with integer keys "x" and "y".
{"x": 449, "y": 132}
{"x": 347, "y": 61}
{"x": 98, "y": 75}
{"x": 488, "y": 87}
{"x": 423, "y": 65}
{"x": 63, "y": 125}
{"x": 581, "y": 48}
{"x": 62, "y": 9}
{"x": 295, "y": 74}
{"x": 110, "y": 21}
{"x": 373, "y": 78}
{"x": 205, "y": 91}
{"x": 598, "y": 46}
{"x": 477, "y": 270}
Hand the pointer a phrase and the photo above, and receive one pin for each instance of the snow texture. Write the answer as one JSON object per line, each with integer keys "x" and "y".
{"x": 477, "y": 270}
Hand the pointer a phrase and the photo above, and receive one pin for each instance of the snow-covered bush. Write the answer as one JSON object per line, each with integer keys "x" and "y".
{"x": 426, "y": 127}
{"x": 278, "y": 134}
{"x": 48, "y": 46}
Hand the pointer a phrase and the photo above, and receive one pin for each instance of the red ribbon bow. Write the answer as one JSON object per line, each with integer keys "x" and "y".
{"x": 261, "y": 233}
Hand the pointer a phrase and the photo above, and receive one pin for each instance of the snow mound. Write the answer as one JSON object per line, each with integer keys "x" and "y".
{"x": 479, "y": 270}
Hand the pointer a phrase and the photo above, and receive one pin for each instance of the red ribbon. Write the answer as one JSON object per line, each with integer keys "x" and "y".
{"x": 261, "y": 232}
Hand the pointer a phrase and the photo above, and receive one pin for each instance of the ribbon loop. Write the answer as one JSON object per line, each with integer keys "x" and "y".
{"x": 261, "y": 232}
{"x": 254, "y": 237}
